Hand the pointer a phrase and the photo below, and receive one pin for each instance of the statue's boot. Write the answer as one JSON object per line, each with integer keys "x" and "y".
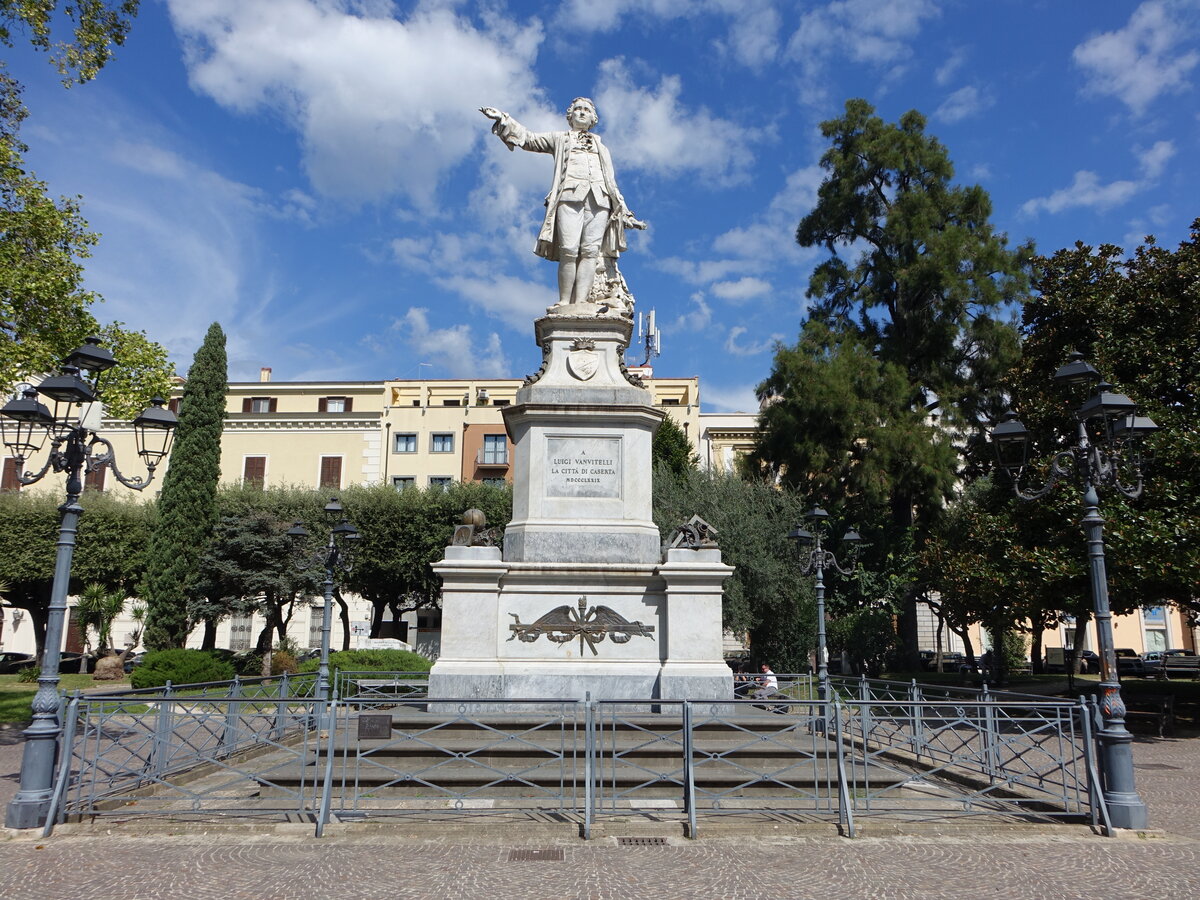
{"x": 567, "y": 269}
{"x": 585, "y": 275}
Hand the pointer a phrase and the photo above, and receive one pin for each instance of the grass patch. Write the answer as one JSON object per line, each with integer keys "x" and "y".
{"x": 16, "y": 697}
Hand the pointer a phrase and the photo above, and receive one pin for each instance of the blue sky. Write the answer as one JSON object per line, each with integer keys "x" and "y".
{"x": 314, "y": 174}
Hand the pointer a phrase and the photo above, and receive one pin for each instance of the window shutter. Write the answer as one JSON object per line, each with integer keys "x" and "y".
{"x": 331, "y": 472}
{"x": 95, "y": 479}
{"x": 10, "y": 480}
{"x": 274, "y": 403}
{"x": 349, "y": 407}
{"x": 254, "y": 472}
{"x": 174, "y": 403}
{"x": 246, "y": 402}
{"x": 323, "y": 405}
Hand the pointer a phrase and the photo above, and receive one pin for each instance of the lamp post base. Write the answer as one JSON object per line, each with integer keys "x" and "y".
{"x": 27, "y": 813}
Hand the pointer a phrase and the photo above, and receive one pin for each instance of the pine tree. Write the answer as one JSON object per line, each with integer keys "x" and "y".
{"x": 920, "y": 317}
{"x": 187, "y": 506}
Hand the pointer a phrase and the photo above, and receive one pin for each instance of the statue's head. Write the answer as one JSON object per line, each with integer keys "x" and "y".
{"x": 581, "y": 114}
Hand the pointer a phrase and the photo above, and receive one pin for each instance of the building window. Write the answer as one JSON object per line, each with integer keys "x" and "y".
{"x": 174, "y": 403}
{"x": 443, "y": 483}
{"x": 254, "y": 471}
{"x": 314, "y": 626}
{"x": 670, "y": 401}
{"x": 441, "y": 443}
{"x": 495, "y": 450}
{"x": 259, "y": 404}
{"x": 403, "y": 482}
{"x": 331, "y": 473}
{"x": 11, "y": 480}
{"x": 500, "y": 402}
{"x": 335, "y": 404}
{"x": 494, "y": 482}
{"x": 451, "y": 403}
{"x": 239, "y": 632}
{"x": 404, "y": 443}
{"x": 94, "y": 481}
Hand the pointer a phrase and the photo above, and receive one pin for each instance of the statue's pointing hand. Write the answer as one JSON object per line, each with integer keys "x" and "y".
{"x": 491, "y": 113}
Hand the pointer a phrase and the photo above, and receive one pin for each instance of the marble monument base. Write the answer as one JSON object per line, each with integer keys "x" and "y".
{"x": 566, "y": 631}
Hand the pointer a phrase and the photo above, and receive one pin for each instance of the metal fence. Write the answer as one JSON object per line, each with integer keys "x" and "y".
{"x": 381, "y": 748}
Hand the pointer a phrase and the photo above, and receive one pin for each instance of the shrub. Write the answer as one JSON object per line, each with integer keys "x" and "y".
{"x": 248, "y": 665}
{"x": 371, "y": 661}
{"x": 179, "y": 667}
{"x": 29, "y": 675}
{"x": 282, "y": 661}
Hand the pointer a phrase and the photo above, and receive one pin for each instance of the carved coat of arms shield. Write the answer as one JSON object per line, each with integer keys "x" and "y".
{"x": 583, "y": 364}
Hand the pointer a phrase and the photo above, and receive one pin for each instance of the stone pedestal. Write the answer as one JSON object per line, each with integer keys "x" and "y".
{"x": 582, "y": 599}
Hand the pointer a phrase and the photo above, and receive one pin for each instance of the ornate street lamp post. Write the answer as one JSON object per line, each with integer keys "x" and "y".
{"x": 336, "y": 557}
{"x": 1108, "y": 438}
{"x": 815, "y": 558}
{"x": 25, "y": 425}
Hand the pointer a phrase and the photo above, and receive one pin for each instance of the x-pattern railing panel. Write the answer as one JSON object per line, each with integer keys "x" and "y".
{"x": 176, "y": 758}
{"x": 640, "y": 750}
{"x": 542, "y": 752}
{"x": 804, "y": 764}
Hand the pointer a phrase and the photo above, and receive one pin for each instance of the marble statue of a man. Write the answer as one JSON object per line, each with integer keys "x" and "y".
{"x": 586, "y": 215}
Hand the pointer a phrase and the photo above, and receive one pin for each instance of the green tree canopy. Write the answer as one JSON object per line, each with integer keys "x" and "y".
{"x": 1137, "y": 319}
{"x": 916, "y": 319}
{"x": 45, "y": 312}
{"x": 672, "y": 447}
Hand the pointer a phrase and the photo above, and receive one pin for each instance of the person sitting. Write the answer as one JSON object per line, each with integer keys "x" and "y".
{"x": 768, "y": 684}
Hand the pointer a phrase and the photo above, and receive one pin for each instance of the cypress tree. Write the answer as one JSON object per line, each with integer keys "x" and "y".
{"x": 187, "y": 506}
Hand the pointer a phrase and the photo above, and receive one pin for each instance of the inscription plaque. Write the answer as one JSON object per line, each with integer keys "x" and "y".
{"x": 374, "y": 727}
{"x": 583, "y": 467}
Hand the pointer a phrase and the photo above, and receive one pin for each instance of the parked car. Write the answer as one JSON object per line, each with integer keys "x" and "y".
{"x": 11, "y": 662}
{"x": 133, "y": 660}
{"x": 1129, "y": 663}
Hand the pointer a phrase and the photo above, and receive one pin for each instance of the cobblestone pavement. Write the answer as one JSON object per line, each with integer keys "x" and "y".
{"x": 192, "y": 866}
{"x": 396, "y": 862}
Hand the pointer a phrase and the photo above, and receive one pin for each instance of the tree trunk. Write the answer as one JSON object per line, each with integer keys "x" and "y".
{"x": 209, "y": 641}
{"x": 1036, "y": 662}
{"x": 377, "y": 607}
{"x": 344, "y": 615}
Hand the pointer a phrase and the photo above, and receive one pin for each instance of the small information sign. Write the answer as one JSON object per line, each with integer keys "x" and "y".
{"x": 374, "y": 727}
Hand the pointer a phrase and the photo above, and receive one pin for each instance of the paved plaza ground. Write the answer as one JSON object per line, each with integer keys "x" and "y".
{"x": 762, "y": 859}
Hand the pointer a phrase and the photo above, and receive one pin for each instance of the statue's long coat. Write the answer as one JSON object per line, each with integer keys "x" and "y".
{"x": 514, "y": 134}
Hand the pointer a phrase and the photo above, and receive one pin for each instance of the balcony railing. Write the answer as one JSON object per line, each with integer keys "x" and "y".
{"x": 492, "y": 457}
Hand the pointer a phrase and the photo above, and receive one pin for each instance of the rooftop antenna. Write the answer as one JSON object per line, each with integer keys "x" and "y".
{"x": 650, "y": 336}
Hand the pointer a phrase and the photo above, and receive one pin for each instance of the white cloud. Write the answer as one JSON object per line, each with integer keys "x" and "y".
{"x": 742, "y": 290}
{"x": 1145, "y": 59}
{"x": 697, "y": 317}
{"x": 382, "y": 106}
{"x": 514, "y": 301}
{"x": 656, "y": 133}
{"x": 1154, "y": 160}
{"x": 867, "y": 31}
{"x": 762, "y": 245}
{"x": 455, "y": 348}
{"x": 963, "y": 103}
{"x": 752, "y": 349}
{"x": 752, "y": 39}
{"x": 946, "y": 71}
{"x": 980, "y": 171}
{"x": 1087, "y": 190}
{"x": 731, "y": 398}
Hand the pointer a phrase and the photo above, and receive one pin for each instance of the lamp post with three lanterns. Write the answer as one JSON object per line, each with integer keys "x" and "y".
{"x": 1107, "y": 451}
{"x": 75, "y": 449}
{"x": 815, "y": 558}
{"x": 336, "y": 557}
